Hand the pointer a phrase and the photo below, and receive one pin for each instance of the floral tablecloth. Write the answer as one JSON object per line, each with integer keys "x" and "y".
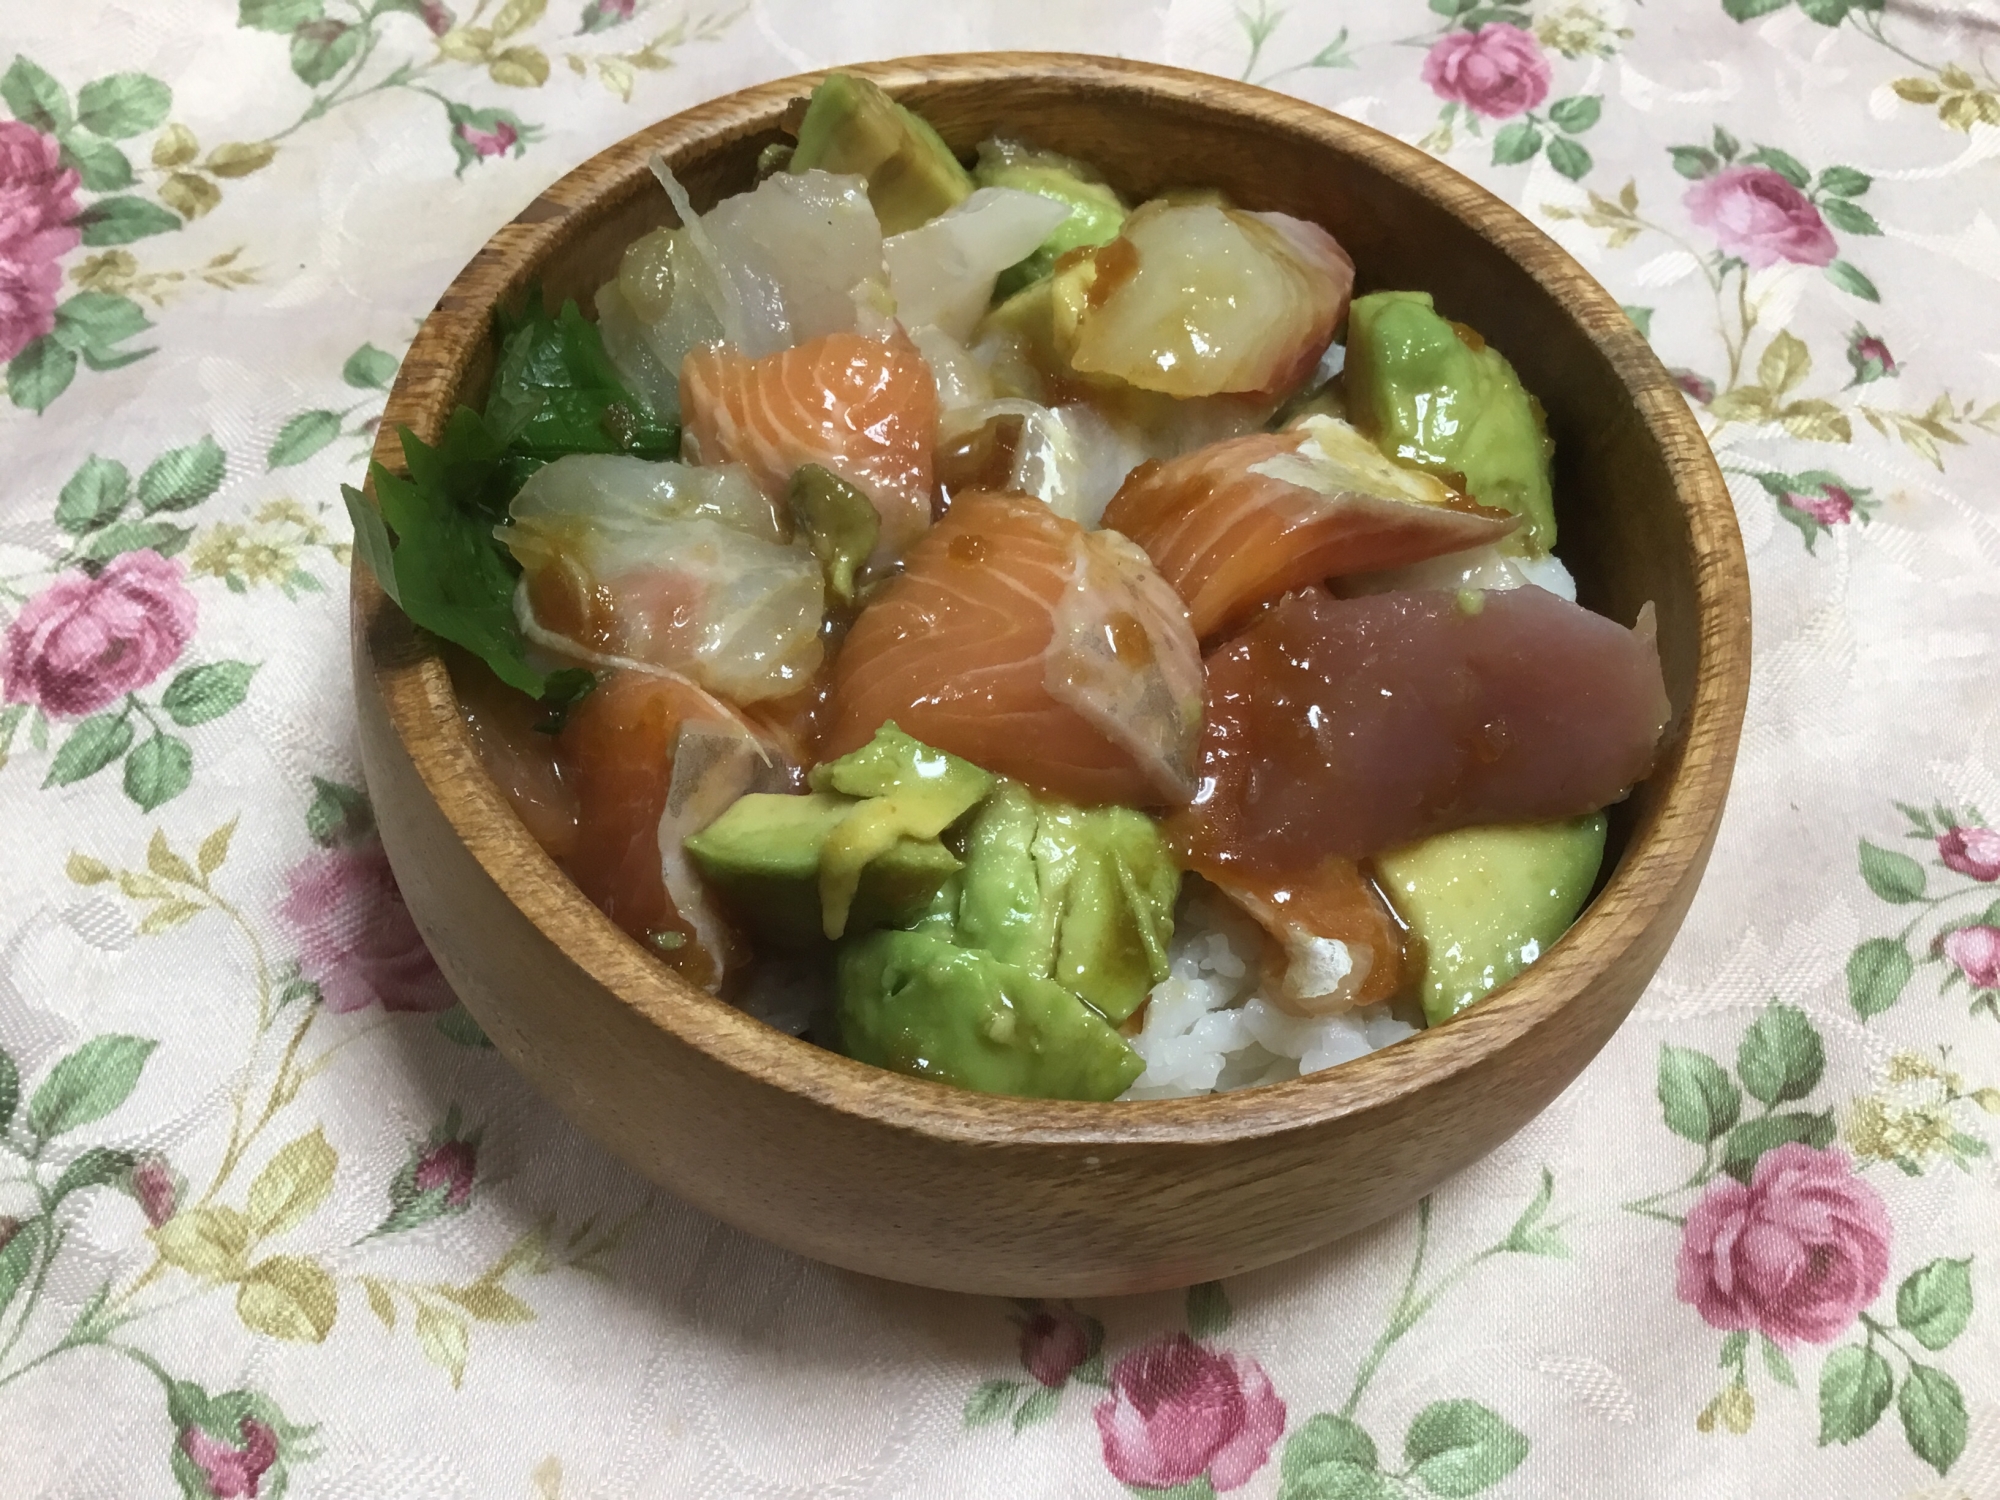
{"x": 276, "y": 1221}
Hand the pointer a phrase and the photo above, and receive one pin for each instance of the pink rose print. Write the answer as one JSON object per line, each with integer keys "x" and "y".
{"x": 436, "y": 17}
{"x": 1795, "y": 1255}
{"x": 1833, "y": 506}
{"x": 233, "y": 1471}
{"x": 37, "y": 203}
{"x": 1497, "y": 71}
{"x": 494, "y": 142}
{"x": 602, "y": 14}
{"x": 1976, "y": 952}
{"x": 154, "y": 1186}
{"x": 1755, "y": 213}
{"x": 1694, "y": 387}
{"x": 1870, "y": 357}
{"x": 85, "y": 642}
{"x": 1971, "y": 851}
{"x": 448, "y": 1165}
{"x": 1179, "y": 1410}
{"x": 1054, "y": 1341}
{"x": 357, "y": 940}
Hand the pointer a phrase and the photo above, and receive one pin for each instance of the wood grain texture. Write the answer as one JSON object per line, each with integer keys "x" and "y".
{"x": 914, "y": 1181}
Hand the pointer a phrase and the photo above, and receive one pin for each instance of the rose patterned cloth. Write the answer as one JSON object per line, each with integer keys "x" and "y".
{"x": 275, "y": 1220}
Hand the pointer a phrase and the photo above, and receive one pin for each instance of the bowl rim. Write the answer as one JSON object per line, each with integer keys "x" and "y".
{"x": 1663, "y": 848}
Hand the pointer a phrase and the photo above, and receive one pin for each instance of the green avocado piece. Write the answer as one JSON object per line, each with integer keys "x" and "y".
{"x": 850, "y": 125}
{"x": 1096, "y": 213}
{"x": 914, "y": 1003}
{"x": 1083, "y": 896}
{"x": 1002, "y": 909}
{"x": 910, "y": 791}
{"x": 1119, "y": 885}
{"x": 1440, "y": 398}
{"x": 763, "y": 859}
{"x": 1486, "y": 902}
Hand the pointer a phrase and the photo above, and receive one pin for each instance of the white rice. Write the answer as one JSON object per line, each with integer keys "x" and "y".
{"x": 1208, "y": 1028}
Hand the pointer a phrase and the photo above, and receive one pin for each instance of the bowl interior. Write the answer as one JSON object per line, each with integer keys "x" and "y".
{"x": 1641, "y": 508}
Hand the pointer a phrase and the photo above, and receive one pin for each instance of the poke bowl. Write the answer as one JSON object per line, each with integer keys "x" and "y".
{"x": 911, "y": 1092}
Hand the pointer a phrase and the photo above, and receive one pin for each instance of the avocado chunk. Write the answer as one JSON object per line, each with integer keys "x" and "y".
{"x": 1434, "y": 394}
{"x": 1486, "y": 902}
{"x": 1083, "y": 896}
{"x": 1096, "y": 213}
{"x": 850, "y": 125}
{"x": 763, "y": 856}
{"x": 1119, "y": 885}
{"x": 909, "y": 791}
{"x": 919, "y": 1005}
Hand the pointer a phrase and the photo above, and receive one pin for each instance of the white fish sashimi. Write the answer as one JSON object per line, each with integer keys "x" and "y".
{"x": 1487, "y": 568}
{"x": 793, "y": 259}
{"x": 660, "y": 565}
{"x": 1072, "y": 458}
{"x": 942, "y": 272}
{"x": 961, "y": 376}
{"x": 1204, "y": 300}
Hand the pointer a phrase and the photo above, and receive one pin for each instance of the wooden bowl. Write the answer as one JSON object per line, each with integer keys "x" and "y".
{"x": 919, "y": 1182}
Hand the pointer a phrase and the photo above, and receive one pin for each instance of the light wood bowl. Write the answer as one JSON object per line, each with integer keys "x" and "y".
{"x": 918, "y": 1182}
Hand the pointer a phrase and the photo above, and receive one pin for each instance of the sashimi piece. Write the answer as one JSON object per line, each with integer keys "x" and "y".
{"x": 625, "y": 562}
{"x": 1347, "y": 726}
{"x": 1193, "y": 299}
{"x": 1243, "y": 521}
{"x": 655, "y": 759}
{"x": 523, "y": 761}
{"x": 942, "y": 272}
{"x": 1491, "y": 567}
{"x": 796, "y": 257}
{"x": 1023, "y": 643}
{"x": 1070, "y": 457}
{"x": 865, "y": 408}
{"x": 1342, "y": 947}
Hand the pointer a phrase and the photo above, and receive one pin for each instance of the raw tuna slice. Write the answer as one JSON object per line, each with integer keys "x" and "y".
{"x": 1242, "y": 521}
{"x": 1034, "y": 648}
{"x": 865, "y": 408}
{"x": 1347, "y": 726}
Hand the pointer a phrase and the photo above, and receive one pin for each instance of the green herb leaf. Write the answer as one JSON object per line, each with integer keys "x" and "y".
{"x": 450, "y": 576}
{"x": 555, "y": 391}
